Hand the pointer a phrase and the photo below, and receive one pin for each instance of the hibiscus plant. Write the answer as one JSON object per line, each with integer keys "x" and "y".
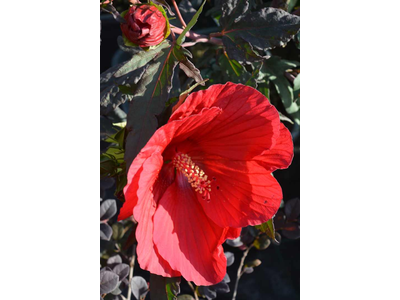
{"x": 199, "y": 108}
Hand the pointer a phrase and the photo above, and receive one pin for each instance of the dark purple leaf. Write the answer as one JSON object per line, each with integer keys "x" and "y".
{"x": 234, "y": 243}
{"x": 292, "y": 209}
{"x": 108, "y": 281}
{"x": 112, "y": 10}
{"x": 206, "y": 292}
{"x": 233, "y": 11}
{"x": 230, "y": 258}
{"x": 139, "y": 287}
{"x": 258, "y": 31}
{"x": 107, "y": 209}
{"x": 105, "y": 232}
{"x": 122, "y": 270}
{"x": 114, "y": 260}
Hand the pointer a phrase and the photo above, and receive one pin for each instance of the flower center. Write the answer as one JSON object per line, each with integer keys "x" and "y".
{"x": 196, "y": 176}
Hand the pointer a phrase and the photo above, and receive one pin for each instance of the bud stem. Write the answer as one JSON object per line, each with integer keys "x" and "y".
{"x": 179, "y": 14}
{"x": 196, "y": 37}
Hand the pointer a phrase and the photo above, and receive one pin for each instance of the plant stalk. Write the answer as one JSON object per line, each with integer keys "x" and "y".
{"x": 196, "y": 37}
{"x": 240, "y": 271}
{"x": 131, "y": 267}
{"x": 179, "y": 14}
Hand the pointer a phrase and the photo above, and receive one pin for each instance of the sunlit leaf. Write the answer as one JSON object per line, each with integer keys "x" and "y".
{"x": 189, "y": 26}
{"x": 257, "y": 31}
{"x": 268, "y": 228}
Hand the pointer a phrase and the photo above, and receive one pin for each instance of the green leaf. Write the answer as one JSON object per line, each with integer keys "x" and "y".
{"x": 274, "y": 69}
{"x": 263, "y": 87}
{"x": 118, "y": 231}
{"x": 296, "y": 88}
{"x": 189, "y": 26}
{"x": 117, "y": 82}
{"x": 162, "y": 288}
{"x": 268, "y": 228}
{"x": 258, "y": 31}
{"x": 140, "y": 59}
{"x": 172, "y": 287}
{"x": 291, "y": 4}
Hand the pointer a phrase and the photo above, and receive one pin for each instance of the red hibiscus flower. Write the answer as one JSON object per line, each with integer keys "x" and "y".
{"x": 203, "y": 176}
{"x": 146, "y": 25}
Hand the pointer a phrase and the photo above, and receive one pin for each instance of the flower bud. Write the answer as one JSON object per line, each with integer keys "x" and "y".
{"x": 146, "y": 25}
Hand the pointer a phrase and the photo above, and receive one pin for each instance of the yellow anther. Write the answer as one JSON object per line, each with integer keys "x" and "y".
{"x": 196, "y": 176}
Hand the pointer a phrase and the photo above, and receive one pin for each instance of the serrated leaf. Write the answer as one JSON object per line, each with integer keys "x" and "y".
{"x": 257, "y": 31}
{"x": 126, "y": 74}
{"x": 110, "y": 94}
{"x": 268, "y": 228}
{"x": 190, "y": 70}
{"x": 152, "y": 93}
{"x": 189, "y": 26}
{"x": 108, "y": 281}
{"x": 233, "y": 11}
{"x": 113, "y": 11}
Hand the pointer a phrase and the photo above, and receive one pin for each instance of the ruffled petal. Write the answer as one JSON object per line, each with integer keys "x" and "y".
{"x": 242, "y": 193}
{"x": 281, "y": 155}
{"x": 147, "y": 254}
{"x": 186, "y": 238}
{"x": 247, "y": 125}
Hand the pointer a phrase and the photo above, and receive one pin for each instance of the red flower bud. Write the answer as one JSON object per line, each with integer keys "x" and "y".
{"x": 146, "y": 25}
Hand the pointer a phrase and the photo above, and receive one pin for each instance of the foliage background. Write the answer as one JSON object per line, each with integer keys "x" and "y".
{"x": 278, "y": 275}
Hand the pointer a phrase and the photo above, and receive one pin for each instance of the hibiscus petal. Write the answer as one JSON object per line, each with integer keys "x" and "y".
{"x": 233, "y": 233}
{"x": 247, "y": 126}
{"x": 130, "y": 194}
{"x": 281, "y": 155}
{"x": 242, "y": 193}
{"x": 171, "y": 132}
{"x": 186, "y": 238}
{"x": 148, "y": 257}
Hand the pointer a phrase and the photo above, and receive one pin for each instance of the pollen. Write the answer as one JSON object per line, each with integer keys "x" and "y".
{"x": 196, "y": 176}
